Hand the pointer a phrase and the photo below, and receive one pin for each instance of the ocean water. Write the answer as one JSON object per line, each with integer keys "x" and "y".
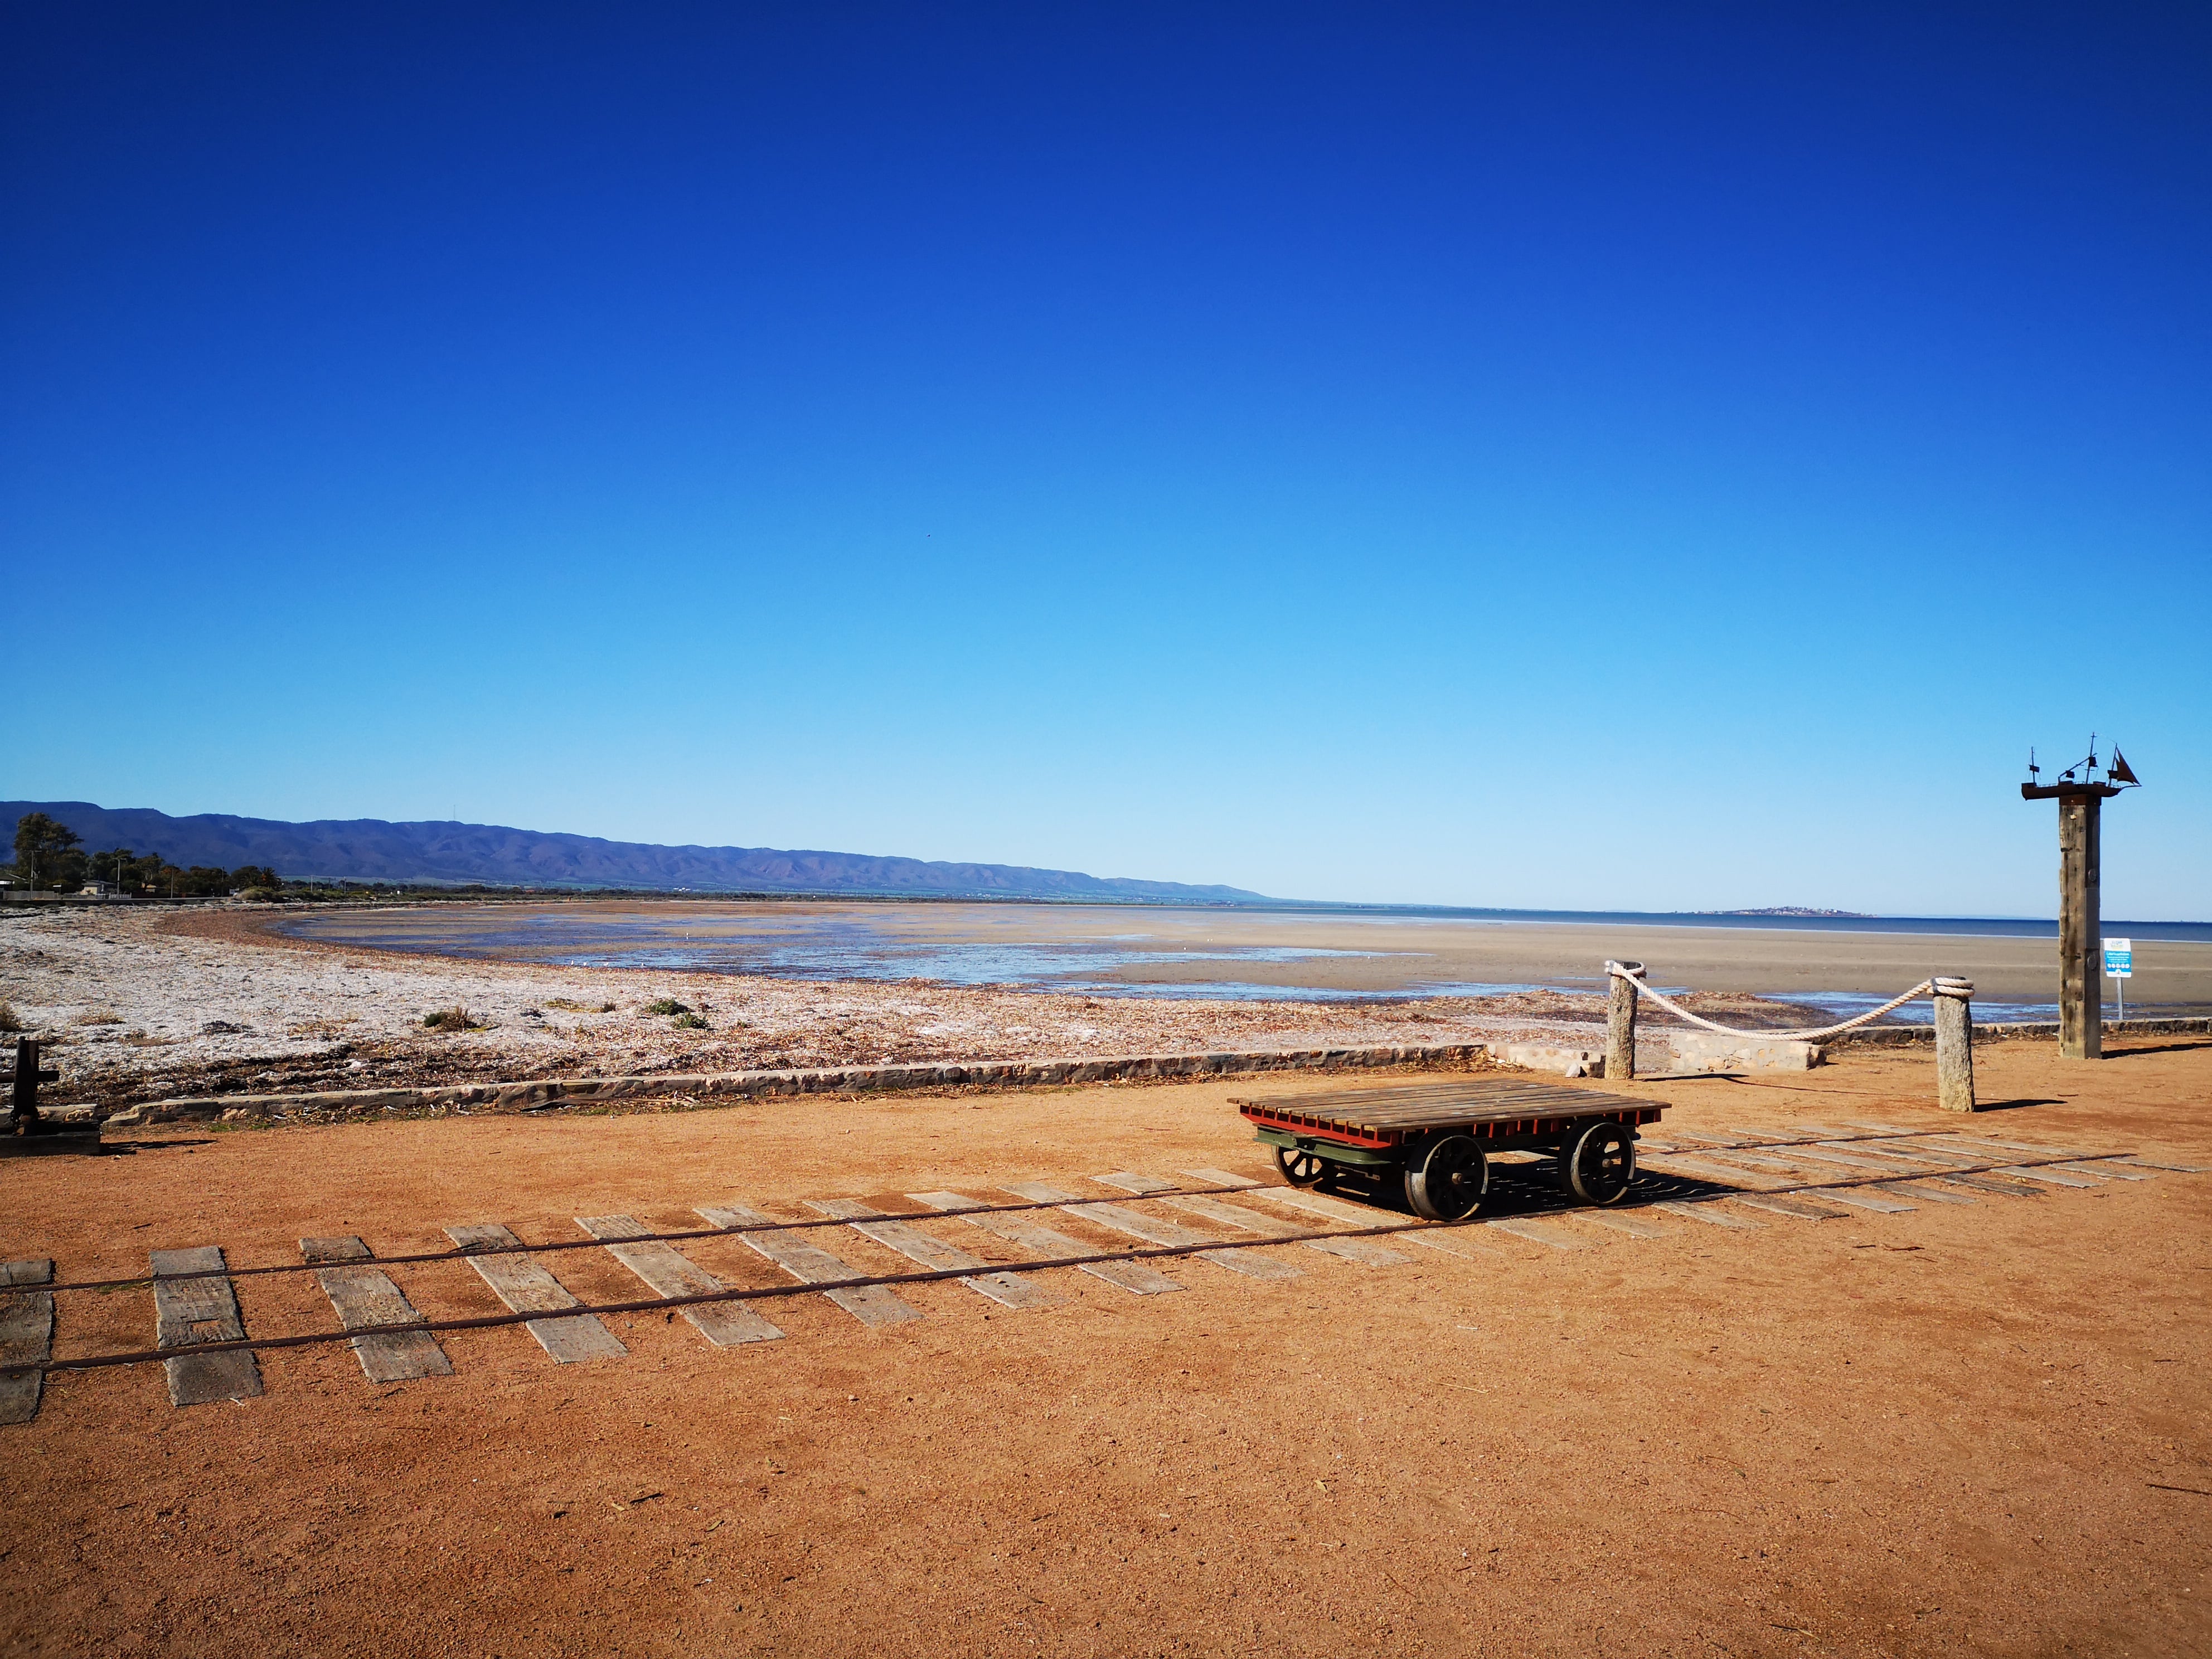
{"x": 1960, "y": 926}
{"x": 844, "y": 946}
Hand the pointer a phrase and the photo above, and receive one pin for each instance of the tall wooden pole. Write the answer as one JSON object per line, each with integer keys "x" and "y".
{"x": 2081, "y": 995}
{"x": 2080, "y": 919}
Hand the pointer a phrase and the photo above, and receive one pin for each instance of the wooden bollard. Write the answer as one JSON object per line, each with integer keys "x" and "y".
{"x": 1954, "y": 1045}
{"x": 1620, "y": 1022}
{"x": 23, "y": 1098}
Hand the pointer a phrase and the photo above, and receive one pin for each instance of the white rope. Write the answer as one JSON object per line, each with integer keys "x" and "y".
{"x": 1942, "y": 986}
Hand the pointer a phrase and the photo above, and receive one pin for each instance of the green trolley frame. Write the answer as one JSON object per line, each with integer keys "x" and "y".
{"x": 1438, "y": 1137}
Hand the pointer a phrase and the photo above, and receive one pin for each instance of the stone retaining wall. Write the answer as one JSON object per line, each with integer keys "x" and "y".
{"x": 727, "y": 1088}
{"x": 1895, "y": 1036}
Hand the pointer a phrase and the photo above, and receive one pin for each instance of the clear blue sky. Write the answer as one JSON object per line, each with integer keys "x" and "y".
{"x": 1647, "y": 456}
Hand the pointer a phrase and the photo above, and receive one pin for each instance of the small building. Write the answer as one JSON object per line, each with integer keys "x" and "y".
{"x": 97, "y": 890}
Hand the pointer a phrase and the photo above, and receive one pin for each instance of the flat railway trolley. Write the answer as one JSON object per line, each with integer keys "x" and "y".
{"x": 1438, "y": 1137}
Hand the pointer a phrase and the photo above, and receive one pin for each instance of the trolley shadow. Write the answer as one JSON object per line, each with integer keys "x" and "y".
{"x": 1525, "y": 1189}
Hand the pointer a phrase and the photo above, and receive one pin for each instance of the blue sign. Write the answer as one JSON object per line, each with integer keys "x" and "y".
{"x": 2119, "y": 959}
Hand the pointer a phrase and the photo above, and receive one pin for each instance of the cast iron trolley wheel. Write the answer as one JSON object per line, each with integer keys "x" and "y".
{"x": 1598, "y": 1164}
{"x": 1301, "y": 1168}
{"x": 1446, "y": 1177}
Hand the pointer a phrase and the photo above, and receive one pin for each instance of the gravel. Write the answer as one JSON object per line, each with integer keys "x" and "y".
{"x": 203, "y": 1002}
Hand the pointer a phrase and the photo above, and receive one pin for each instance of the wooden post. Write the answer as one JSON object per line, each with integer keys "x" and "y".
{"x": 2080, "y": 987}
{"x": 2080, "y": 993}
{"x": 1620, "y": 1023}
{"x": 23, "y": 1113}
{"x": 1954, "y": 1045}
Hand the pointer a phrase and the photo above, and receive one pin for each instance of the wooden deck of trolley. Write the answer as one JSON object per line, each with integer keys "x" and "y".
{"x": 1486, "y": 1108}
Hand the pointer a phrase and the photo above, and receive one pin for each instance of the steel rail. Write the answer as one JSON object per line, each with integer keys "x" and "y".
{"x": 1827, "y": 1141}
{"x": 463, "y": 1253}
{"x": 745, "y": 1293}
{"x": 1703, "y": 1144}
{"x": 142, "y": 1281}
{"x": 1878, "y": 1177}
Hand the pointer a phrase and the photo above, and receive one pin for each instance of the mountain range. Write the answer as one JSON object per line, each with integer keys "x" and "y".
{"x": 372, "y": 849}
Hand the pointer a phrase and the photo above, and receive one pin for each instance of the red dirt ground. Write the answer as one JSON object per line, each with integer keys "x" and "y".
{"x": 1980, "y": 1429}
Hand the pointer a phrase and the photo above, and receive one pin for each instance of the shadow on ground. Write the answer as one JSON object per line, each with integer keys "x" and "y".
{"x": 1529, "y": 1189}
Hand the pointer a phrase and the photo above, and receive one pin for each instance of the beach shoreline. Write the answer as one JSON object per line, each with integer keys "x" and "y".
{"x": 1119, "y": 949}
{"x": 134, "y": 1006}
{"x": 137, "y": 1006}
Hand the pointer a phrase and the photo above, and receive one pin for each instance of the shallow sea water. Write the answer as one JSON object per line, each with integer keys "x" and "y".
{"x": 819, "y": 947}
{"x": 896, "y": 945}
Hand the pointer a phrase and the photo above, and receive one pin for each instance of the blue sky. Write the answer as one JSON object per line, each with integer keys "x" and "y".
{"x": 1648, "y": 456}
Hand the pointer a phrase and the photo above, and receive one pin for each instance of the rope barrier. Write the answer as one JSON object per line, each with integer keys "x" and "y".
{"x": 1942, "y": 985}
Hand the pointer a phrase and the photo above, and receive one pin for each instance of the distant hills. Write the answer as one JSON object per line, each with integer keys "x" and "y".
{"x": 1791, "y": 910}
{"x": 372, "y": 849}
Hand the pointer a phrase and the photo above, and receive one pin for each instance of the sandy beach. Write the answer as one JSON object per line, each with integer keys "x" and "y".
{"x": 136, "y": 1005}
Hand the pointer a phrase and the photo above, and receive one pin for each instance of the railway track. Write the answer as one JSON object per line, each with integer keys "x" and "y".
{"x": 1209, "y": 1219}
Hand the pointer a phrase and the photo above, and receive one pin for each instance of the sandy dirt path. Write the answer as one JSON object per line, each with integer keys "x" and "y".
{"x": 1965, "y": 1428}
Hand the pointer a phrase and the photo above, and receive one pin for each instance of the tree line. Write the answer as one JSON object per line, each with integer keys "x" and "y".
{"x": 51, "y": 857}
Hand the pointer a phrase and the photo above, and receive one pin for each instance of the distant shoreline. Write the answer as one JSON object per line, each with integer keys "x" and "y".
{"x": 1294, "y": 954}
{"x": 1780, "y": 919}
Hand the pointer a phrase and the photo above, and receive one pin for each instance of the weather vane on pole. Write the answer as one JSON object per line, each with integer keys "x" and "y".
{"x": 2081, "y": 794}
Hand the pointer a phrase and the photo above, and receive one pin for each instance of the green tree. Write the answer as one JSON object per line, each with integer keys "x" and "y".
{"x": 121, "y": 866}
{"x": 47, "y": 852}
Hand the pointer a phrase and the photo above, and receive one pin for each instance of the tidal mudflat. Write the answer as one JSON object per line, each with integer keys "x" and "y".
{"x": 1232, "y": 954}
{"x": 139, "y": 1004}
